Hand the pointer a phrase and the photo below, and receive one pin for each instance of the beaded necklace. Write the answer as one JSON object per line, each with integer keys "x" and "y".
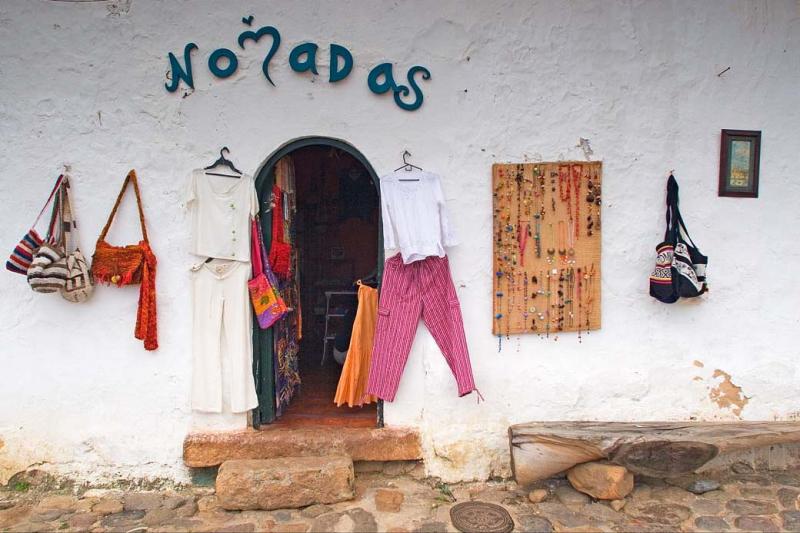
{"x": 551, "y": 250}
{"x": 577, "y": 173}
{"x": 563, "y": 184}
{"x": 522, "y": 241}
{"x": 525, "y": 303}
{"x": 541, "y": 195}
{"x": 510, "y": 300}
{"x": 580, "y": 303}
{"x": 589, "y": 277}
{"x": 571, "y": 249}
{"x": 547, "y": 311}
{"x": 498, "y": 310}
{"x": 560, "y": 300}
{"x": 562, "y": 244}
{"x": 569, "y": 301}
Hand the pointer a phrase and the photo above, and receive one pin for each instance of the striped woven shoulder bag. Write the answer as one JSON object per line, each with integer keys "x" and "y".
{"x": 22, "y": 255}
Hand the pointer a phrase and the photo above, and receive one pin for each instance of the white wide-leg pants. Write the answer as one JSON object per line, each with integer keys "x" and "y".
{"x": 222, "y": 328}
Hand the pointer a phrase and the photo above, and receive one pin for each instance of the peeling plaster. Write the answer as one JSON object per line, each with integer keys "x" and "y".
{"x": 728, "y": 395}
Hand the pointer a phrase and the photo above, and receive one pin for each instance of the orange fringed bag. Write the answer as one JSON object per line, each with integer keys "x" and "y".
{"x": 130, "y": 265}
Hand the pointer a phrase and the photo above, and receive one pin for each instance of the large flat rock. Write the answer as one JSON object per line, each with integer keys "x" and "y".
{"x": 203, "y": 449}
{"x": 284, "y": 483}
{"x": 540, "y": 450}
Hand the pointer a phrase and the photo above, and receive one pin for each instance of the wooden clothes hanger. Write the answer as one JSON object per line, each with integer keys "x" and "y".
{"x": 224, "y": 162}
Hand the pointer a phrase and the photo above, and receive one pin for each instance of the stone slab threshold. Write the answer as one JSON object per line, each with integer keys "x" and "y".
{"x": 212, "y": 448}
{"x": 540, "y": 450}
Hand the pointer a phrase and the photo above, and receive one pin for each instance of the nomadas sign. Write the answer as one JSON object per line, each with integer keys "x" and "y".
{"x": 302, "y": 58}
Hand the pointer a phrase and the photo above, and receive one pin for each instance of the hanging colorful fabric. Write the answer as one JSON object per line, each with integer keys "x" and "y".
{"x": 280, "y": 252}
{"x": 130, "y": 265}
{"x": 267, "y": 303}
{"x": 22, "y": 255}
{"x": 79, "y": 284}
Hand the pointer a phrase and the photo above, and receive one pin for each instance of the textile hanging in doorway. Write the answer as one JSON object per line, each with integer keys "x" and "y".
{"x": 352, "y": 388}
{"x": 287, "y": 331}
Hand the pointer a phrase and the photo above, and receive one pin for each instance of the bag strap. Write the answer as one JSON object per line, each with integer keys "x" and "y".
{"x": 682, "y": 226}
{"x": 265, "y": 261}
{"x": 70, "y": 224}
{"x": 672, "y": 206}
{"x": 255, "y": 248}
{"x": 56, "y": 187}
{"x": 130, "y": 178}
{"x": 674, "y": 212}
{"x": 54, "y": 226}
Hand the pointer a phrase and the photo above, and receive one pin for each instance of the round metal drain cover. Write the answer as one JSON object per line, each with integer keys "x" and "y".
{"x": 481, "y": 517}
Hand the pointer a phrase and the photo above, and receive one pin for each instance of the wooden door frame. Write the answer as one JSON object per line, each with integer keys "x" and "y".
{"x": 262, "y": 340}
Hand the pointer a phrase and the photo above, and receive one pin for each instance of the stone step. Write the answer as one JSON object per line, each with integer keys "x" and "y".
{"x": 284, "y": 483}
{"x": 204, "y": 449}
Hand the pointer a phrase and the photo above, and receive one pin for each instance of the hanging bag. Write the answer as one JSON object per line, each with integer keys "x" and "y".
{"x": 79, "y": 285}
{"x": 47, "y": 272}
{"x": 268, "y": 305}
{"x": 688, "y": 263}
{"x": 280, "y": 253}
{"x": 134, "y": 264}
{"x": 22, "y": 255}
{"x": 661, "y": 283}
{"x": 680, "y": 270}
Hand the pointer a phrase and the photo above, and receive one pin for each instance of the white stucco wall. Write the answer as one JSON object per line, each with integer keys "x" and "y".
{"x": 82, "y": 84}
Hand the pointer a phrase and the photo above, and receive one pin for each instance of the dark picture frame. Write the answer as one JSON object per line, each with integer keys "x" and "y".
{"x": 739, "y": 158}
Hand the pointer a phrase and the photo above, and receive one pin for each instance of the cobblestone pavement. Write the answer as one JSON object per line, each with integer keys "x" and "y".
{"x": 400, "y": 499}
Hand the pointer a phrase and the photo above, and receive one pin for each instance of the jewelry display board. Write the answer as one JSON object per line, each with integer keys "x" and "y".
{"x": 547, "y": 234}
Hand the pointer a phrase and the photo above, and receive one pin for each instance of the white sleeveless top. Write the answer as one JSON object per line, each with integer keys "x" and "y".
{"x": 221, "y": 212}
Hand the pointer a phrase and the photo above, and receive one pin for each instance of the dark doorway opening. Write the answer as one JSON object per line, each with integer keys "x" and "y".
{"x": 333, "y": 218}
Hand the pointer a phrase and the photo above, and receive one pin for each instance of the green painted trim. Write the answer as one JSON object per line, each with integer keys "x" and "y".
{"x": 263, "y": 370}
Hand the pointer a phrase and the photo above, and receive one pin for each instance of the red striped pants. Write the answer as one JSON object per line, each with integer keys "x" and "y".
{"x": 420, "y": 288}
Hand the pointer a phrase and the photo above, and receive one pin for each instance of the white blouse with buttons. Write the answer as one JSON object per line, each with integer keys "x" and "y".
{"x": 221, "y": 212}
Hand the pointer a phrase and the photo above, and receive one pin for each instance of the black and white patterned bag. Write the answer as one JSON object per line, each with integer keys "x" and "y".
{"x": 680, "y": 266}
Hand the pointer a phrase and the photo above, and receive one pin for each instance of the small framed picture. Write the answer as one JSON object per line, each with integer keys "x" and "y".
{"x": 740, "y": 151}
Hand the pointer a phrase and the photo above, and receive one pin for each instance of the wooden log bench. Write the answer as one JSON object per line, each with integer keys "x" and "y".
{"x": 540, "y": 450}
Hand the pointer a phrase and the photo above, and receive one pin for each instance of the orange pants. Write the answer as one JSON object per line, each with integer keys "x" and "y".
{"x": 355, "y": 372}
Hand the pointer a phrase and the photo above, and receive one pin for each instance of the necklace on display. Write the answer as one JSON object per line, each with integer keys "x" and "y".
{"x": 562, "y": 238}
{"x": 580, "y": 303}
{"x": 571, "y": 249}
{"x": 498, "y": 307}
{"x": 551, "y": 250}
{"x": 569, "y": 297}
{"x": 560, "y": 300}
{"x": 589, "y": 277}
{"x": 577, "y": 175}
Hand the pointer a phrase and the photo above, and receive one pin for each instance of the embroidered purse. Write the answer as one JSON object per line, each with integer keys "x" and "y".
{"x": 268, "y": 305}
{"x": 134, "y": 264}
{"x": 79, "y": 284}
{"x": 22, "y": 255}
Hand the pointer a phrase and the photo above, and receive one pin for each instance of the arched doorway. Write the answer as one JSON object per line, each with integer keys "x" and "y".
{"x": 332, "y": 216}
